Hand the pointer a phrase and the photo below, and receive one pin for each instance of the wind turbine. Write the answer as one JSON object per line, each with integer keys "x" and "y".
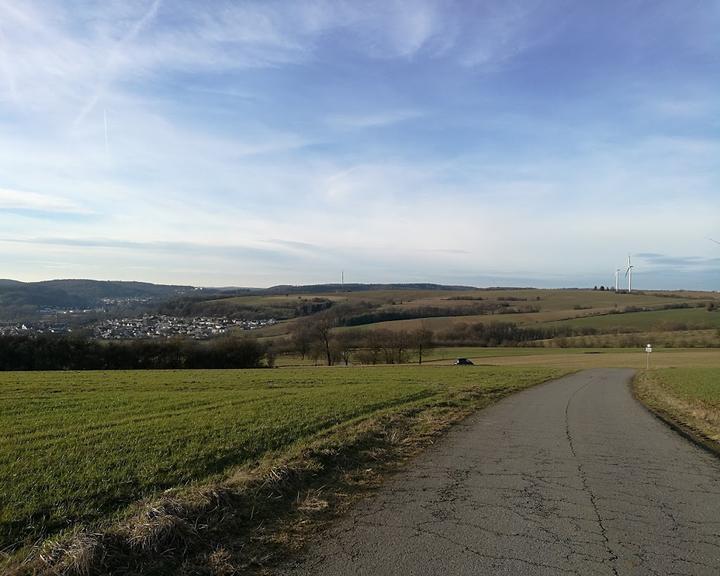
{"x": 617, "y": 280}
{"x": 628, "y": 274}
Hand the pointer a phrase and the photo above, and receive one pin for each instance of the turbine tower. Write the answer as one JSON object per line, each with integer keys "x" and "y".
{"x": 617, "y": 280}
{"x": 628, "y": 274}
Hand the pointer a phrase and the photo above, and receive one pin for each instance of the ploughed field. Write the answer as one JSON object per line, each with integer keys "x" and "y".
{"x": 76, "y": 447}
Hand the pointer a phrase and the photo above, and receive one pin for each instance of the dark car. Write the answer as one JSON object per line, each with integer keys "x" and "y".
{"x": 463, "y": 362}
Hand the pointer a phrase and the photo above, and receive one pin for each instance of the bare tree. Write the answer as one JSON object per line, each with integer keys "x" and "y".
{"x": 321, "y": 329}
{"x": 401, "y": 341}
{"x": 345, "y": 344}
{"x": 302, "y": 337}
{"x": 422, "y": 339}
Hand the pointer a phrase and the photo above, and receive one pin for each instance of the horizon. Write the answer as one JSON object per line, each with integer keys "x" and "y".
{"x": 274, "y": 142}
{"x": 400, "y": 285}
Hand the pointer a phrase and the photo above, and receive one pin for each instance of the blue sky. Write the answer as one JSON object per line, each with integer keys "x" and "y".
{"x": 256, "y": 143}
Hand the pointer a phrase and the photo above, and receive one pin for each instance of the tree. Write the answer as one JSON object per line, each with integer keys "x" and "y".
{"x": 321, "y": 331}
{"x": 302, "y": 337}
{"x": 345, "y": 344}
{"x": 421, "y": 340}
{"x": 401, "y": 341}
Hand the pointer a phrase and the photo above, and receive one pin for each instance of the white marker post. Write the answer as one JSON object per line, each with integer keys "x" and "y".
{"x": 648, "y": 351}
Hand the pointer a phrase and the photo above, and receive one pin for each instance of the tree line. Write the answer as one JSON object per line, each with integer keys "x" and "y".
{"x": 43, "y": 352}
{"x": 319, "y": 339}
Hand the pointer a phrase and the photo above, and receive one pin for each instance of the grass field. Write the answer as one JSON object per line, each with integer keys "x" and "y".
{"x": 75, "y": 447}
{"x": 608, "y": 358}
{"x": 690, "y": 396}
{"x": 657, "y": 320}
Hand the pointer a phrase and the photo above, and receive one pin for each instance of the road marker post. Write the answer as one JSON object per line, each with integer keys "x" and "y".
{"x": 648, "y": 351}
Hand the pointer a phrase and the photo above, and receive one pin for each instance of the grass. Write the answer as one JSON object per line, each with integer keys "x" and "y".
{"x": 659, "y": 320}
{"x": 609, "y": 358}
{"x": 689, "y": 396}
{"x": 79, "y": 447}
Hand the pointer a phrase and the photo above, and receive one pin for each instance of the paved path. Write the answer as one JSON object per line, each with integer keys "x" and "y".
{"x": 570, "y": 477}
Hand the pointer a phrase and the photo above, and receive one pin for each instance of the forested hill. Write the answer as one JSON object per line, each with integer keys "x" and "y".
{"x": 324, "y": 288}
{"x": 79, "y": 293}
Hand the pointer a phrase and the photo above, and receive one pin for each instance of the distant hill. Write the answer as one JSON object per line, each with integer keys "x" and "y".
{"x": 324, "y": 288}
{"x": 98, "y": 289}
{"x": 29, "y": 296}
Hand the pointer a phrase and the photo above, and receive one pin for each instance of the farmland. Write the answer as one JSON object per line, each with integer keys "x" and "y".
{"x": 78, "y": 446}
{"x": 689, "y": 395}
{"x": 441, "y": 309}
{"x": 87, "y": 448}
{"x": 572, "y": 318}
{"x": 658, "y": 320}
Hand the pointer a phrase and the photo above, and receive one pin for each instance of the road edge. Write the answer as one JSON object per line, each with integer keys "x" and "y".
{"x": 687, "y": 432}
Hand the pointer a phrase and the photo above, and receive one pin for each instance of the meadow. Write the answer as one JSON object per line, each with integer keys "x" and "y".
{"x": 76, "y": 447}
{"x": 657, "y": 320}
{"x": 688, "y": 395}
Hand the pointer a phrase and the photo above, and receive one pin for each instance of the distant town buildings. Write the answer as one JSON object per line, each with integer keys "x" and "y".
{"x": 150, "y": 326}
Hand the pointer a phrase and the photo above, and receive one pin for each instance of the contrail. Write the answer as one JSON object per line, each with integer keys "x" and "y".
{"x": 108, "y": 72}
{"x": 107, "y": 148}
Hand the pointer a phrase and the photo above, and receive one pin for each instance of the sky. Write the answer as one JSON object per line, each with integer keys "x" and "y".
{"x": 243, "y": 143}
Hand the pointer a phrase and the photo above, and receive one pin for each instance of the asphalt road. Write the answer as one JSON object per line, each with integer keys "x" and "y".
{"x": 570, "y": 477}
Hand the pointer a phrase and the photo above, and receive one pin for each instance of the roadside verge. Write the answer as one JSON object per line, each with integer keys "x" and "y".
{"x": 690, "y": 415}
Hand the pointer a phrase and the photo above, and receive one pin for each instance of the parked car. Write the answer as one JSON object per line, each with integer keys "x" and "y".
{"x": 464, "y": 362}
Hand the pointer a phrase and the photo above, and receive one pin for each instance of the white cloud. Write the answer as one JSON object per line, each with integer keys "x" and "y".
{"x": 21, "y": 200}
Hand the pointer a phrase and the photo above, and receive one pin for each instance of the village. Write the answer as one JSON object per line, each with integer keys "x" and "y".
{"x": 161, "y": 326}
{"x": 148, "y": 326}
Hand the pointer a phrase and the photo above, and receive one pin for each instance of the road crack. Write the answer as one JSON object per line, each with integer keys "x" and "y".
{"x": 613, "y": 557}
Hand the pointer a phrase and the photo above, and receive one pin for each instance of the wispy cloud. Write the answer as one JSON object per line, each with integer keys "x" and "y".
{"x": 373, "y": 120}
{"x": 691, "y": 262}
{"x": 110, "y": 68}
{"x": 33, "y": 201}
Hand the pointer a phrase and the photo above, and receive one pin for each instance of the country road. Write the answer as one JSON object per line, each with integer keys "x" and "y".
{"x": 570, "y": 477}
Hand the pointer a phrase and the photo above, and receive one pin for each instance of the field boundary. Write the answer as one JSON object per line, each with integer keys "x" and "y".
{"x": 685, "y": 430}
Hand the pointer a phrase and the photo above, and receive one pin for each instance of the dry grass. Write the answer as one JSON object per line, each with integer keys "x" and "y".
{"x": 71, "y": 555}
{"x": 689, "y": 397}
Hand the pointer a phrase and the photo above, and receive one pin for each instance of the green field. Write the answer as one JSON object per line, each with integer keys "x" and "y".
{"x": 656, "y": 320}
{"x": 700, "y": 385}
{"x": 689, "y": 395}
{"x": 75, "y": 447}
